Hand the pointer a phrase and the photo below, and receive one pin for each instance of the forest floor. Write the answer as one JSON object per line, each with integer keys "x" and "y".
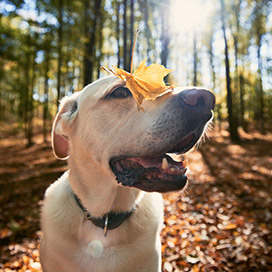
{"x": 222, "y": 222}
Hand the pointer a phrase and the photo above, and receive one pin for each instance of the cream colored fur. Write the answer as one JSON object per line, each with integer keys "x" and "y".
{"x": 71, "y": 243}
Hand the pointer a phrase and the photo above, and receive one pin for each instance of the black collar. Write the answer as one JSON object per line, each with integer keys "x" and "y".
{"x": 109, "y": 221}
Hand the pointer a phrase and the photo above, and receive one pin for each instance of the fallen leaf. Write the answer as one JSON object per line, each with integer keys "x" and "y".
{"x": 230, "y": 227}
{"x": 146, "y": 82}
{"x": 168, "y": 267}
{"x": 192, "y": 260}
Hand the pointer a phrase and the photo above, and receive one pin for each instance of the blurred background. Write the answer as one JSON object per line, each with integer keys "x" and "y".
{"x": 52, "y": 48}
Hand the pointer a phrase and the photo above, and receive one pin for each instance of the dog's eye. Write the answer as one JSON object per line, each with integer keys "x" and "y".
{"x": 120, "y": 92}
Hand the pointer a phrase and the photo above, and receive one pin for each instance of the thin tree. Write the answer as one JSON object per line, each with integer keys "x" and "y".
{"x": 195, "y": 60}
{"x": 165, "y": 33}
{"x": 100, "y": 39}
{"x": 46, "y": 89}
{"x": 31, "y": 102}
{"x": 90, "y": 32}
{"x": 131, "y": 29}
{"x": 118, "y": 33}
{"x": 259, "y": 32}
{"x": 210, "y": 47}
{"x": 60, "y": 42}
{"x": 148, "y": 35}
{"x": 231, "y": 118}
{"x": 126, "y": 64}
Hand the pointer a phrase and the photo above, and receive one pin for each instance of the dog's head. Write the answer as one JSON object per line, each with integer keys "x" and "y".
{"x": 102, "y": 124}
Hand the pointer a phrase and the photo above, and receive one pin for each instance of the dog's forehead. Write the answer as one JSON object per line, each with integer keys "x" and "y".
{"x": 99, "y": 88}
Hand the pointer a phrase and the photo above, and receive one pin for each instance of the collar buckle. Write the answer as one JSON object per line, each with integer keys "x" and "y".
{"x": 106, "y": 224}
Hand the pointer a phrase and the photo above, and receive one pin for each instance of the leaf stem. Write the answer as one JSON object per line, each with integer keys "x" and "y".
{"x": 132, "y": 53}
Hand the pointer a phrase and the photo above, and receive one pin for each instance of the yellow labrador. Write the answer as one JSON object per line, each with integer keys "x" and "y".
{"x": 105, "y": 213}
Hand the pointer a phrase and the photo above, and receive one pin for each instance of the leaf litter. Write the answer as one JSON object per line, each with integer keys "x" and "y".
{"x": 222, "y": 222}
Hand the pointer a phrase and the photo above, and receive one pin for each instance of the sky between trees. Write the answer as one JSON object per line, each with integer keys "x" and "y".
{"x": 51, "y": 48}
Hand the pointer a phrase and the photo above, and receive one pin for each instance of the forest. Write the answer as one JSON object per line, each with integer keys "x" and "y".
{"x": 53, "y": 48}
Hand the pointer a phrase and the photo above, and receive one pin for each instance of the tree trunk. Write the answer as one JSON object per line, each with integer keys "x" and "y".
{"x": 259, "y": 89}
{"x": 31, "y": 106}
{"x": 213, "y": 76}
{"x": 239, "y": 82}
{"x": 26, "y": 86}
{"x": 242, "y": 103}
{"x": 231, "y": 120}
{"x": 237, "y": 87}
{"x": 100, "y": 41}
{"x": 60, "y": 34}
{"x": 89, "y": 58}
{"x": 131, "y": 30}
{"x": 2, "y": 110}
{"x": 118, "y": 33}
{"x": 165, "y": 34}
{"x": 195, "y": 61}
{"x": 147, "y": 31}
{"x": 126, "y": 64}
{"x": 46, "y": 94}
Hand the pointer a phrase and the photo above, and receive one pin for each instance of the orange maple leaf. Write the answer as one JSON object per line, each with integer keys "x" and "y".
{"x": 146, "y": 82}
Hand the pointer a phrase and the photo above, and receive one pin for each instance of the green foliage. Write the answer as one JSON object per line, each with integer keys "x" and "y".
{"x": 44, "y": 45}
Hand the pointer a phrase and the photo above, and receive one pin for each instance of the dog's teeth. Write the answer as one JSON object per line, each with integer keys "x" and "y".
{"x": 164, "y": 164}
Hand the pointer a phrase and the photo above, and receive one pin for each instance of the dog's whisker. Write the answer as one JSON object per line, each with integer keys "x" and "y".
{"x": 209, "y": 127}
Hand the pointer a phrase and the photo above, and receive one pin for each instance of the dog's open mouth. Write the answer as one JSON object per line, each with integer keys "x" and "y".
{"x": 160, "y": 173}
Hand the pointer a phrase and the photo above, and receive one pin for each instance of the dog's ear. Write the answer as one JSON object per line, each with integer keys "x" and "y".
{"x": 62, "y": 126}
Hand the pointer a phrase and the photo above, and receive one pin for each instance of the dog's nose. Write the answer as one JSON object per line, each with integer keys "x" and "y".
{"x": 200, "y": 98}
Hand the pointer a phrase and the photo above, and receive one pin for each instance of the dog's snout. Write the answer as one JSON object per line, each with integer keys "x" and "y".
{"x": 198, "y": 97}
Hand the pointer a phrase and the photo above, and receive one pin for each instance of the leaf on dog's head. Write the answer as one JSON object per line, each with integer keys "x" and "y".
{"x": 146, "y": 82}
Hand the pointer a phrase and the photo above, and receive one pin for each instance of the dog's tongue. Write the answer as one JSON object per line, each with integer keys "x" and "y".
{"x": 154, "y": 174}
{"x": 164, "y": 162}
{"x": 148, "y": 162}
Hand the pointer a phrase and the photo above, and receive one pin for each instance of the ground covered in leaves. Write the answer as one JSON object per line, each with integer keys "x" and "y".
{"x": 223, "y": 222}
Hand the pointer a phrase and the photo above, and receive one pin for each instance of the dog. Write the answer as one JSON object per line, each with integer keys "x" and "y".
{"x": 106, "y": 212}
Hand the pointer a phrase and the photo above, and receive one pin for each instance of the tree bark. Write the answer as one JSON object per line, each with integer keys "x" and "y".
{"x": 131, "y": 30}
{"x": 46, "y": 96}
{"x": 231, "y": 119}
{"x": 126, "y": 64}
{"x": 89, "y": 57}
{"x": 242, "y": 103}
{"x": 60, "y": 34}
{"x": 118, "y": 33}
{"x": 239, "y": 79}
{"x": 100, "y": 41}
{"x": 165, "y": 35}
{"x": 213, "y": 76}
{"x": 2, "y": 110}
{"x": 31, "y": 106}
{"x": 147, "y": 31}
{"x": 259, "y": 89}
{"x": 195, "y": 61}
{"x": 26, "y": 86}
